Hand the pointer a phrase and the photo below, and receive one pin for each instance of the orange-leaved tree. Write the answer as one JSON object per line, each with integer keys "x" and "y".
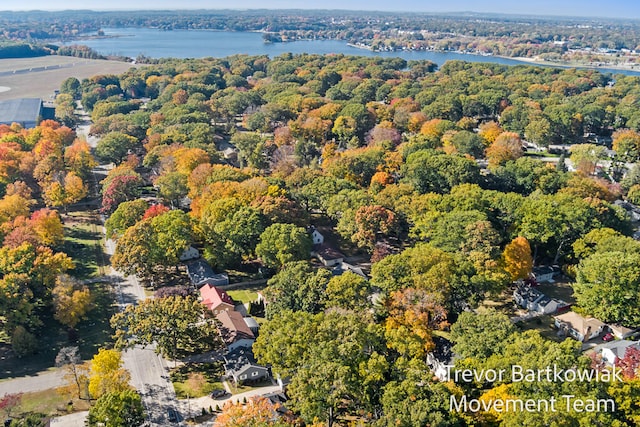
{"x": 518, "y": 261}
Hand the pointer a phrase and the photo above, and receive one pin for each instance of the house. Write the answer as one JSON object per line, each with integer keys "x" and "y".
{"x": 548, "y": 305}
{"x": 216, "y": 299}
{"x": 252, "y": 324}
{"x": 344, "y": 267}
{"x": 578, "y": 327}
{"x": 189, "y": 254}
{"x": 527, "y": 297}
{"x": 620, "y": 331}
{"x": 614, "y": 350}
{"x": 234, "y": 330}
{"x": 200, "y": 273}
{"x": 329, "y": 256}
{"x": 316, "y": 237}
{"x": 241, "y": 367}
{"x": 544, "y": 273}
{"x": 534, "y": 300}
{"x": 27, "y": 112}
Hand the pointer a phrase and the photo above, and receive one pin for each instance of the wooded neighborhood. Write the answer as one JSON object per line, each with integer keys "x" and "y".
{"x": 311, "y": 239}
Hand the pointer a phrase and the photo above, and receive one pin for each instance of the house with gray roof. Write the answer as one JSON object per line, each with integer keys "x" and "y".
{"x": 241, "y": 367}
{"x": 200, "y": 273}
{"x": 27, "y": 112}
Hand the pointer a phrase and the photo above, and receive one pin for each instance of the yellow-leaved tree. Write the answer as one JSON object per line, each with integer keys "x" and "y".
{"x": 71, "y": 301}
{"x": 107, "y": 374}
{"x": 518, "y": 261}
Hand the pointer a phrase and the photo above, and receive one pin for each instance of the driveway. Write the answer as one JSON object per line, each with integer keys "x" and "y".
{"x": 71, "y": 420}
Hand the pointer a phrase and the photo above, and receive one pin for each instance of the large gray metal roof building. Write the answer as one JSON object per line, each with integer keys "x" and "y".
{"x": 25, "y": 111}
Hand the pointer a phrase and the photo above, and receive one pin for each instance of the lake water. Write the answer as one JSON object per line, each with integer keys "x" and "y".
{"x": 154, "y": 43}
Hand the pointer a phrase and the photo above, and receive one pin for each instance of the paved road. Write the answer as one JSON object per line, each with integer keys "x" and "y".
{"x": 72, "y": 420}
{"x": 43, "y": 381}
{"x": 149, "y": 372}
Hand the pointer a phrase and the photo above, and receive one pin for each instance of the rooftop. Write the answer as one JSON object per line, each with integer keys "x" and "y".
{"x": 233, "y": 327}
{"x": 579, "y": 323}
{"x": 212, "y": 297}
{"x": 22, "y": 110}
{"x": 328, "y": 252}
{"x": 619, "y": 347}
{"x": 199, "y": 271}
{"x": 239, "y": 358}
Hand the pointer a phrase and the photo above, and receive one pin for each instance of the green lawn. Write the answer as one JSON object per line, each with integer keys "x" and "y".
{"x": 542, "y": 324}
{"x": 84, "y": 243}
{"x": 186, "y": 383}
{"x": 244, "y": 295}
{"x": 48, "y": 402}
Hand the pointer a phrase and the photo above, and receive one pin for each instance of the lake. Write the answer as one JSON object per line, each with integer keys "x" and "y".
{"x": 155, "y": 43}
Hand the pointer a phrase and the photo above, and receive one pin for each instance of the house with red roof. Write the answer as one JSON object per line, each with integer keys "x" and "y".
{"x": 216, "y": 299}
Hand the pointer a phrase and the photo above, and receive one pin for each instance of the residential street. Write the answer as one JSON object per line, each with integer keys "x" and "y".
{"x": 42, "y": 381}
{"x": 149, "y": 373}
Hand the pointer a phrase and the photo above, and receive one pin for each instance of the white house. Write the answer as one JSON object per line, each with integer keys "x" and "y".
{"x": 241, "y": 367}
{"x": 527, "y": 297}
{"x": 329, "y": 256}
{"x": 316, "y": 236}
{"x": 614, "y": 350}
{"x": 544, "y": 273}
{"x": 548, "y": 305}
{"x": 578, "y": 327}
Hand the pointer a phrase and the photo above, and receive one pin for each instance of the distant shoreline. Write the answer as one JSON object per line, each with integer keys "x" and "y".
{"x": 538, "y": 61}
{"x": 116, "y": 33}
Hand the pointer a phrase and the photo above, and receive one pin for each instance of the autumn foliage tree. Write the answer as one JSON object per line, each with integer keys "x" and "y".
{"x": 66, "y": 192}
{"x": 518, "y": 261}
{"x": 107, "y": 373}
{"x": 630, "y": 363}
{"x": 120, "y": 188}
{"x": 373, "y": 223}
{"x": 71, "y": 301}
{"x": 78, "y": 158}
{"x": 9, "y": 402}
{"x": 626, "y": 144}
{"x": 257, "y": 412}
{"x": 413, "y": 315}
{"x": 76, "y": 372}
{"x": 507, "y": 146}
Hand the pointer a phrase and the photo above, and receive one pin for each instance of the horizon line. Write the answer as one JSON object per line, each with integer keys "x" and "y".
{"x": 442, "y": 13}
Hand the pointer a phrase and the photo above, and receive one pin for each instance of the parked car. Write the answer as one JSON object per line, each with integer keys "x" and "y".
{"x": 173, "y": 415}
{"x": 607, "y": 337}
{"x": 217, "y": 394}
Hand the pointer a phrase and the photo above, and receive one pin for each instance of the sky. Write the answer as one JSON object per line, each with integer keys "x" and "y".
{"x": 593, "y": 8}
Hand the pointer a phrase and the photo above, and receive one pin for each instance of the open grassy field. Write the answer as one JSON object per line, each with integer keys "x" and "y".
{"x": 39, "y": 77}
{"x": 84, "y": 243}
